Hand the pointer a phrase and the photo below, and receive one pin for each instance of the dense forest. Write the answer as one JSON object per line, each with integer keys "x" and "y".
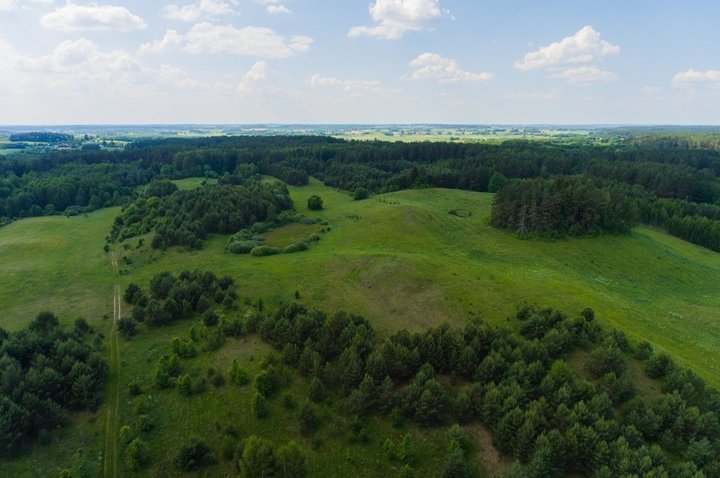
{"x": 187, "y": 217}
{"x": 559, "y": 398}
{"x": 46, "y": 373}
{"x": 674, "y": 184}
{"x": 564, "y": 205}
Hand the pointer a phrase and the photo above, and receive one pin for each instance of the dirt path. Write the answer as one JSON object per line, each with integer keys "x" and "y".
{"x": 111, "y": 458}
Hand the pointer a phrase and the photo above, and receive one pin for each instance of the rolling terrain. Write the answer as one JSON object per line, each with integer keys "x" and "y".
{"x": 400, "y": 259}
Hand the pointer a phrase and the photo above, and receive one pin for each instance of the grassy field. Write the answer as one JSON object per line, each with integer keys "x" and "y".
{"x": 398, "y": 259}
{"x": 402, "y": 261}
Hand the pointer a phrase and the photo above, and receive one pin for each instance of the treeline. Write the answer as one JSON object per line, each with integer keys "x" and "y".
{"x": 42, "y": 137}
{"x": 563, "y": 206}
{"x": 77, "y": 181}
{"x": 45, "y": 373}
{"x": 185, "y": 218}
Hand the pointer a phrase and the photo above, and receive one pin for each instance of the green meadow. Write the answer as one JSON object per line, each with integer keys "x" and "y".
{"x": 400, "y": 259}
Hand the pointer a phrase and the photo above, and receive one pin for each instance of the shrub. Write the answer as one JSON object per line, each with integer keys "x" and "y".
{"x": 263, "y": 251}
{"x": 315, "y": 203}
{"x": 360, "y": 194}
{"x": 259, "y": 405}
{"x": 194, "y": 454}
{"x": 297, "y": 247}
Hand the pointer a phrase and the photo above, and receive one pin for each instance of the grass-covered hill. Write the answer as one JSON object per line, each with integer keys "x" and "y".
{"x": 401, "y": 260}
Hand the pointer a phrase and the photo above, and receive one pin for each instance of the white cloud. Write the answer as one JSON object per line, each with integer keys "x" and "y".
{"x": 277, "y": 9}
{"x": 347, "y": 86}
{"x": 210, "y": 38}
{"x": 72, "y": 17}
{"x": 584, "y": 75}
{"x": 695, "y": 76}
{"x": 445, "y": 70}
{"x": 8, "y": 5}
{"x": 194, "y": 11}
{"x": 585, "y": 46}
{"x": 256, "y": 74}
{"x": 172, "y": 40}
{"x": 274, "y": 7}
{"x": 396, "y": 17}
{"x": 80, "y": 66}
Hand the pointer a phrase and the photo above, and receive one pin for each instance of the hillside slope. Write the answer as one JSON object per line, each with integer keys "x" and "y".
{"x": 402, "y": 261}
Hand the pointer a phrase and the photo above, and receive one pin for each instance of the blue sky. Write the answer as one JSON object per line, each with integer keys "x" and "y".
{"x": 359, "y": 61}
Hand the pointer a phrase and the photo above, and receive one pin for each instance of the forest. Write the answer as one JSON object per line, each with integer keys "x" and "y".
{"x": 550, "y": 416}
{"x": 187, "y": 217}
{"x": 673, "y": 184}
{"x": 46, "y": 373}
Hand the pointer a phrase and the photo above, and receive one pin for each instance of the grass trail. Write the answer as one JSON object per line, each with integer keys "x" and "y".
{"x": 111, "y": 455}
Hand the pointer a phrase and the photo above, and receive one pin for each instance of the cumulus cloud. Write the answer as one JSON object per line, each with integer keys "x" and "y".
{"x": 585, "y": 46}
{"x": 277, "y": 9}
{"x": 72, "y": 17}
{"x": 274, "y": 7}
{"x": 172, "y": 40}
{"x": 445, "y": 70}
{"x": 394, "y": 18}
{"x": 572, "y": 58}
{"x": 694, "y": 76}
{"x": 585, "y": 74}
{"x": 256, "y": 74}
{"x": 347, "y": 86}
{"x": 200, "y": 9}
{"x": 80, "y": 65}
{"x": 211, "y": 38}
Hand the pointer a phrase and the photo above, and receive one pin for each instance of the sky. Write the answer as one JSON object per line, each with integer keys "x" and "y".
{"x": 359, "y": 61}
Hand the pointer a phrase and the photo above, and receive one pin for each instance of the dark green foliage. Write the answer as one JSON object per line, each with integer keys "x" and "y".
{"x": 308, "y": 419}
{"x": 160, "y": 188}
{"x": 194, "y": 454}
{"x": 258, "y": 458}
{"x": 658, "y": 365}
{"x": 238, "y": 375}
{"x": 136, "y": 454}
{"x": 45, "y": 372}
{"x": 316, "y": 391}
{"x": 81, "y": 325}
{"x": 292, "y": 461}
{"x": 426, "y": 400}
{"x": 167, "y": 370}
{"x": 403, "y": 451}
{"x": 180, "y": 297}
{"x": 361, "y": 193}
{"x": 608, "y": 359}
{"x": 127, "y": 326}
{"x": 455, "y": 464}
{"x": 264, "y": 251}
{"x": 186, "y": 217}
{"x": 183, "y": 348}
{"x": 259, "y": 405}
{"x": 315, "y": 203}
{"x": 565, "y": 205}
{"x": 42, "y": 137}
{"x": 296, "y": 247}
{"x": 210, "y": 318}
